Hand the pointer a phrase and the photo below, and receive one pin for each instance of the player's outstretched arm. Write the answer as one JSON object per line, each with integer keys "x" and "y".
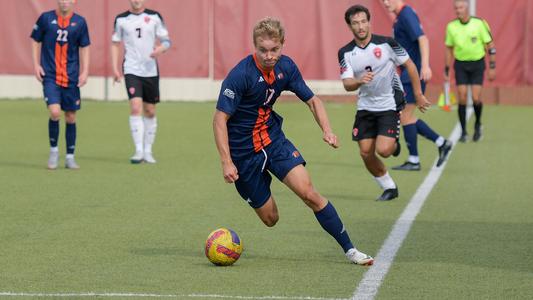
{"x": 319, "y": 112}
{"x": 36, "y": 56}
{"x": 84, "y": 66}
{"x": 220, "y": 129}
{"x": 421, "y": 100}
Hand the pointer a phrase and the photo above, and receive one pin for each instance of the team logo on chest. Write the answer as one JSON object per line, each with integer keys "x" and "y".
{"x": 147, "y": 19}
{"x": 377, "y": 52}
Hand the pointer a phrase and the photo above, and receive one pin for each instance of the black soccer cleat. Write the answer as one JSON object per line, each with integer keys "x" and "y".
{"x": 477, "y": 133}
{"x": 407, "y": 166}
{"x": 463, "y": 138}
{"x": 443, "y": 152}
{"x": 398, "y": 149}
{"x": 388, "y": 195}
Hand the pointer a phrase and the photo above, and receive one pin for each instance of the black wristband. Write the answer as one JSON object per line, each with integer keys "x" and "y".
{"x": 492, "y": 65}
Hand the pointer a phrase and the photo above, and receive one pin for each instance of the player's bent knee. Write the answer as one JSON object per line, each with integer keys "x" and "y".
{"x": 270, "y": 220}
{"x": 366, "y": 154}
{"x": 385, "y": 152}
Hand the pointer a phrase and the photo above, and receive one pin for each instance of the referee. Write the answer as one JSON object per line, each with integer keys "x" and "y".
{"x": 467, "y": 40}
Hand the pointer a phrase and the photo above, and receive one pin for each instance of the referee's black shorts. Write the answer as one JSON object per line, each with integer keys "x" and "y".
{"x": 469, "y": 72}
{"x": 146, "y": 88}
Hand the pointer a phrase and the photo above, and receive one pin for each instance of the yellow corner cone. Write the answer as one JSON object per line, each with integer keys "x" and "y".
{"x": 442, "y": 100}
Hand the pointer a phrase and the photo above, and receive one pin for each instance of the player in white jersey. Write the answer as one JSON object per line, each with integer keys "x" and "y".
{"x": 145, "y": 38}
{"x": 368, "y": 64}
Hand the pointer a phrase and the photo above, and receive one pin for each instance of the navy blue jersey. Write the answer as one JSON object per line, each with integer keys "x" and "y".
{"x": 407, "y": 30}
{"x": 248, "y": 95}
{"x": 61, "y": 38}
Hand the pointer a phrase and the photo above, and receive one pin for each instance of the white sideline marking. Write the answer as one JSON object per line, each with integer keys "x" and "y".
{"x": 368, "y": 287}
{"x": 134, "y": 295}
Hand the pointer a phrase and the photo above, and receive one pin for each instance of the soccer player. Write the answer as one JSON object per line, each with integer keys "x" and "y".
{"x": 140, "y": 28}
{"x": 60, "y": 52}
{"x": 368, "y": 64}
{"x": 250, "y": 140}
{"x": 409, "y": 34}
{"x": 467, "y": 40}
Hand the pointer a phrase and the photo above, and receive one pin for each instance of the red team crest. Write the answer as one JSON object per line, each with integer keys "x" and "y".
{"x": 147, "y": 19}
{"x": 355, "y": 132}
{"x": 377, "y": 52}
{"x": 132, "y": 90}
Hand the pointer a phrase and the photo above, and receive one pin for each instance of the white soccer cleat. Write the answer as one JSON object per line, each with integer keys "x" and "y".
{"x": 137, "y": 158}
{"x": 149, "y": 158}
{"x": 70, "y": 163}
{"x": 359, "y": 258}
{"x": 53, "y": 160}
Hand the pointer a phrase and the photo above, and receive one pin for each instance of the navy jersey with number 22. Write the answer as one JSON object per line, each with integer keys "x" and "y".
{"x": 248, "y": 95}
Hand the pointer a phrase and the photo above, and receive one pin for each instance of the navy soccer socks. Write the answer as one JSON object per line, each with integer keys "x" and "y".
{"x": 409, "y": 132}
{"x": 53, "y": 132}
{"x": 70, "y": 135}
{"x": 330, "y": 221}
{"x": 426, "y": 131}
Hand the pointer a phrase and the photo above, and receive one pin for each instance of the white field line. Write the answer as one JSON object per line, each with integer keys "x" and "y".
{"x": 368, "y": 287}
{"x": 141, "y": 295}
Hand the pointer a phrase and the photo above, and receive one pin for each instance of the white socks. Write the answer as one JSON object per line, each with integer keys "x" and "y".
{"x": 385, "y": 182}
{"x": 150, "y": 128}
{"x": 143, "y": 132}
{"x": 137, "y": 132}
{"x": 440, "y": 141}
{"x": 413, "y": 159}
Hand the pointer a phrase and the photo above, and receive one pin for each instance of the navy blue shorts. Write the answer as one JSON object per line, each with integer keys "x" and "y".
{"x": 68, "y": 98}
{"x": 254, "y": 172}
{"x": 409, "y": 94}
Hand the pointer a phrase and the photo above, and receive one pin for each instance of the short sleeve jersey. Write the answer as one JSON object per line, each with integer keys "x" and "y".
{"x": 468, "y": 39}
{"x": 407, "y": 31}
{"x": 381, "y": 55}
{"x": 139, "y": 33}
{"x": 248, "y": 95}
{"x": 61, "y": 38}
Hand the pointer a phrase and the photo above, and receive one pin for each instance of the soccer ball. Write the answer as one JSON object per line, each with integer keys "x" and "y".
{"x": 223, "y": 247}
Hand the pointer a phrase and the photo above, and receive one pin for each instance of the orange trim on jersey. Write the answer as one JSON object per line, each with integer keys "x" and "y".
{"x": 260, "y": 134}
{"x": 63, "y": 22}
{"x": 61, "y": 64}
{"x": 61, "y": 53}
{"x": 269, "y": 77}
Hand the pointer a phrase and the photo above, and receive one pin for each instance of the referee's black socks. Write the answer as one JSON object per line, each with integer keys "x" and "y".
{"x": 478, "y": 107}
{"x": 462, "y": 117}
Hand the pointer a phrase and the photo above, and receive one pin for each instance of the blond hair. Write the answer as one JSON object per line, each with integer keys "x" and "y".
{"x": 269, "y": 27}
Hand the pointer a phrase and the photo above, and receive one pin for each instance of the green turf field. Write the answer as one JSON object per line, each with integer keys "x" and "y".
{"x": 113, "y": 227}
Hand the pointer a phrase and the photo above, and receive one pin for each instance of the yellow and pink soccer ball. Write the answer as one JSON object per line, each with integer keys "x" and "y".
{"x": 223, "y": 247}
